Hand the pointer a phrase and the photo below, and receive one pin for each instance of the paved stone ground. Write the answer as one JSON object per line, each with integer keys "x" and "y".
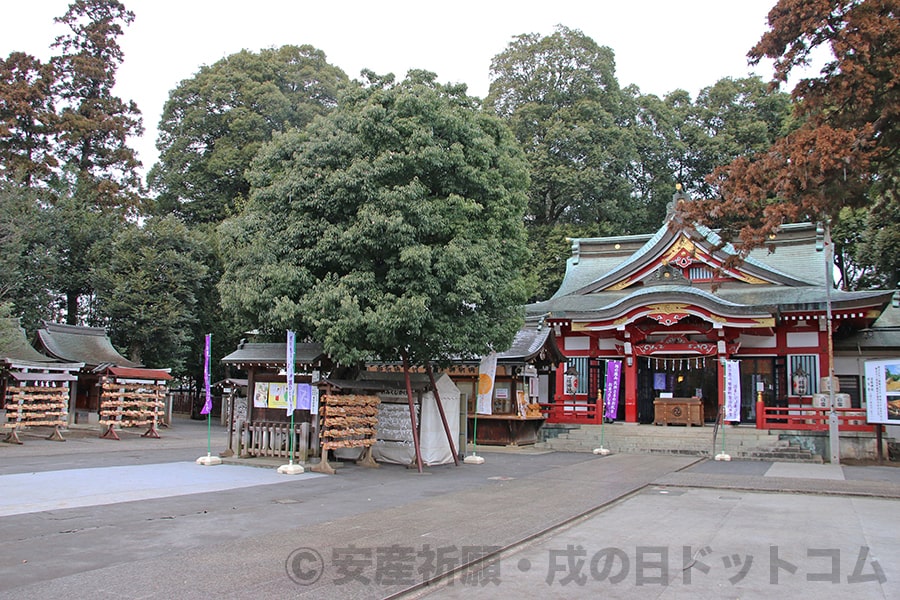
{"x": 705, "y": 543}
{"x": 715, "y": 530}
{"x": 367, "y": 533}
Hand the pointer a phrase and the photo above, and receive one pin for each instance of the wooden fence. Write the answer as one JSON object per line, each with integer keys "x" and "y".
{"x": 269, "y": 439}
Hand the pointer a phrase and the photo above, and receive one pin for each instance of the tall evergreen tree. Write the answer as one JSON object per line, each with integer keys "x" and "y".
{"x": 27, "y": 255}
{"x": 102, "y": 186}
{"x": 148, "y": 291}
{"x": 95, "y": 124}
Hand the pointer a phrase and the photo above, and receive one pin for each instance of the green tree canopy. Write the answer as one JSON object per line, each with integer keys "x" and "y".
{"x": 391, "y": 228}
{"x": 880, "y": 246}
{"x": 562, "y": 100}
{"x": 605, "y": 160}
{"x": 148, "y": 291}
{"x": 27, "y": 255}
{"x": 729, "y": 119}
{"x": 8, "y": 330}
{"x": 214, "y": 123}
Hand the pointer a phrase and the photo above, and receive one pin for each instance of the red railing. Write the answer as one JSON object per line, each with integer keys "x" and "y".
{"x": 584, "y": 413}
{"x": 810, "y": 419}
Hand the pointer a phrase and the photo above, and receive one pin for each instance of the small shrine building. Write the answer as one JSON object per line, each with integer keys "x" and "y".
{"x": 110, "y": 390}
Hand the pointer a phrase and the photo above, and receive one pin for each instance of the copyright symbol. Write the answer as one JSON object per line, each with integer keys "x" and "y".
{"x": 304, "y": 566}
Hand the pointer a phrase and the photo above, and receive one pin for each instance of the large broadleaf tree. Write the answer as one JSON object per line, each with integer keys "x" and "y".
{"x": 560, "y": 96}
{"x": 214, "y": 123}
{"x": 389, "y": 229}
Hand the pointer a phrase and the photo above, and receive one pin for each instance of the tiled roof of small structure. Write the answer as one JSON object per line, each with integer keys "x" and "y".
{"x": 883, "y": 335}
{"x": 17, "y": 349}
{"x": 527, "y": 342}
{"x": 274, "y": 353}
{"x": 89, "y": 345}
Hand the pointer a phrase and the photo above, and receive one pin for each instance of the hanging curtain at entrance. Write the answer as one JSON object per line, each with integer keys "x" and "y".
{"x": 611, "y": 393}
{"x": 732, "y": 390}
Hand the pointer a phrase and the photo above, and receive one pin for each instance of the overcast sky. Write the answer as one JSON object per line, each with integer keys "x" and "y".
{"x": 660, "y": 45}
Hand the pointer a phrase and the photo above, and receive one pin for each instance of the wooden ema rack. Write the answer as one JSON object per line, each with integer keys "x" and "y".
{"x": 36, "y": 406}
{"x": 348, "y": 421}
{"x": 130, "y": 404}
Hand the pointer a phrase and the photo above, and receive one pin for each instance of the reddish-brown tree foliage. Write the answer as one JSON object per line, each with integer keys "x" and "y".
{"x": 27, "y": 119}
{"x": 848, "y": 134}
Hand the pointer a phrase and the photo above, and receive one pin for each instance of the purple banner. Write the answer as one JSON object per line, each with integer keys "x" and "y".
{"x": 207, "y": 404}
{"x": 611, "y": 393}
{"x": 304, "y": 396}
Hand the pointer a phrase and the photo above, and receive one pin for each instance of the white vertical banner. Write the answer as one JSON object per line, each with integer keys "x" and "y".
{"x": 314, "y": 401}
{"x": 207, "y": 351}
{"x": 289, "y": 370}
{"x": 486, "y": 373}
{"x": 732, "y": 390}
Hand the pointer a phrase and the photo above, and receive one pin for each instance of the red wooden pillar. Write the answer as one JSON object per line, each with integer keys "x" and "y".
{"x": 631, "y": 387}
{"x": 824, "y": 364}
{"x": 560, "y": 388}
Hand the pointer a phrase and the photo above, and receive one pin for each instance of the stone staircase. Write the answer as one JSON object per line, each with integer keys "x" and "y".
{"x": 744, "y": 443}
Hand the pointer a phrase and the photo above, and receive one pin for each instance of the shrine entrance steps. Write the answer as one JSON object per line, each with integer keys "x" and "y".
{"x": 741, "y": 442}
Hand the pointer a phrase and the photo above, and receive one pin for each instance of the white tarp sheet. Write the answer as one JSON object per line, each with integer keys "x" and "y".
{"x": 395, "y": 441}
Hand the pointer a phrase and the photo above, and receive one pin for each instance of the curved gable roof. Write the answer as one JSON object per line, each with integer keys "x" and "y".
{"x": 652, "y": 252}
{"x": 611, "y": 305}
{"x": 274, "y": 353}
{"x": 16, "y": 348}
{"x": 89, "y": 345}
{"x": 755, "y": 299}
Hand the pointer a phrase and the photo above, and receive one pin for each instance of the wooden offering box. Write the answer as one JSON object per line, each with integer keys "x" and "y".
{"x": 678, "y": 411}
